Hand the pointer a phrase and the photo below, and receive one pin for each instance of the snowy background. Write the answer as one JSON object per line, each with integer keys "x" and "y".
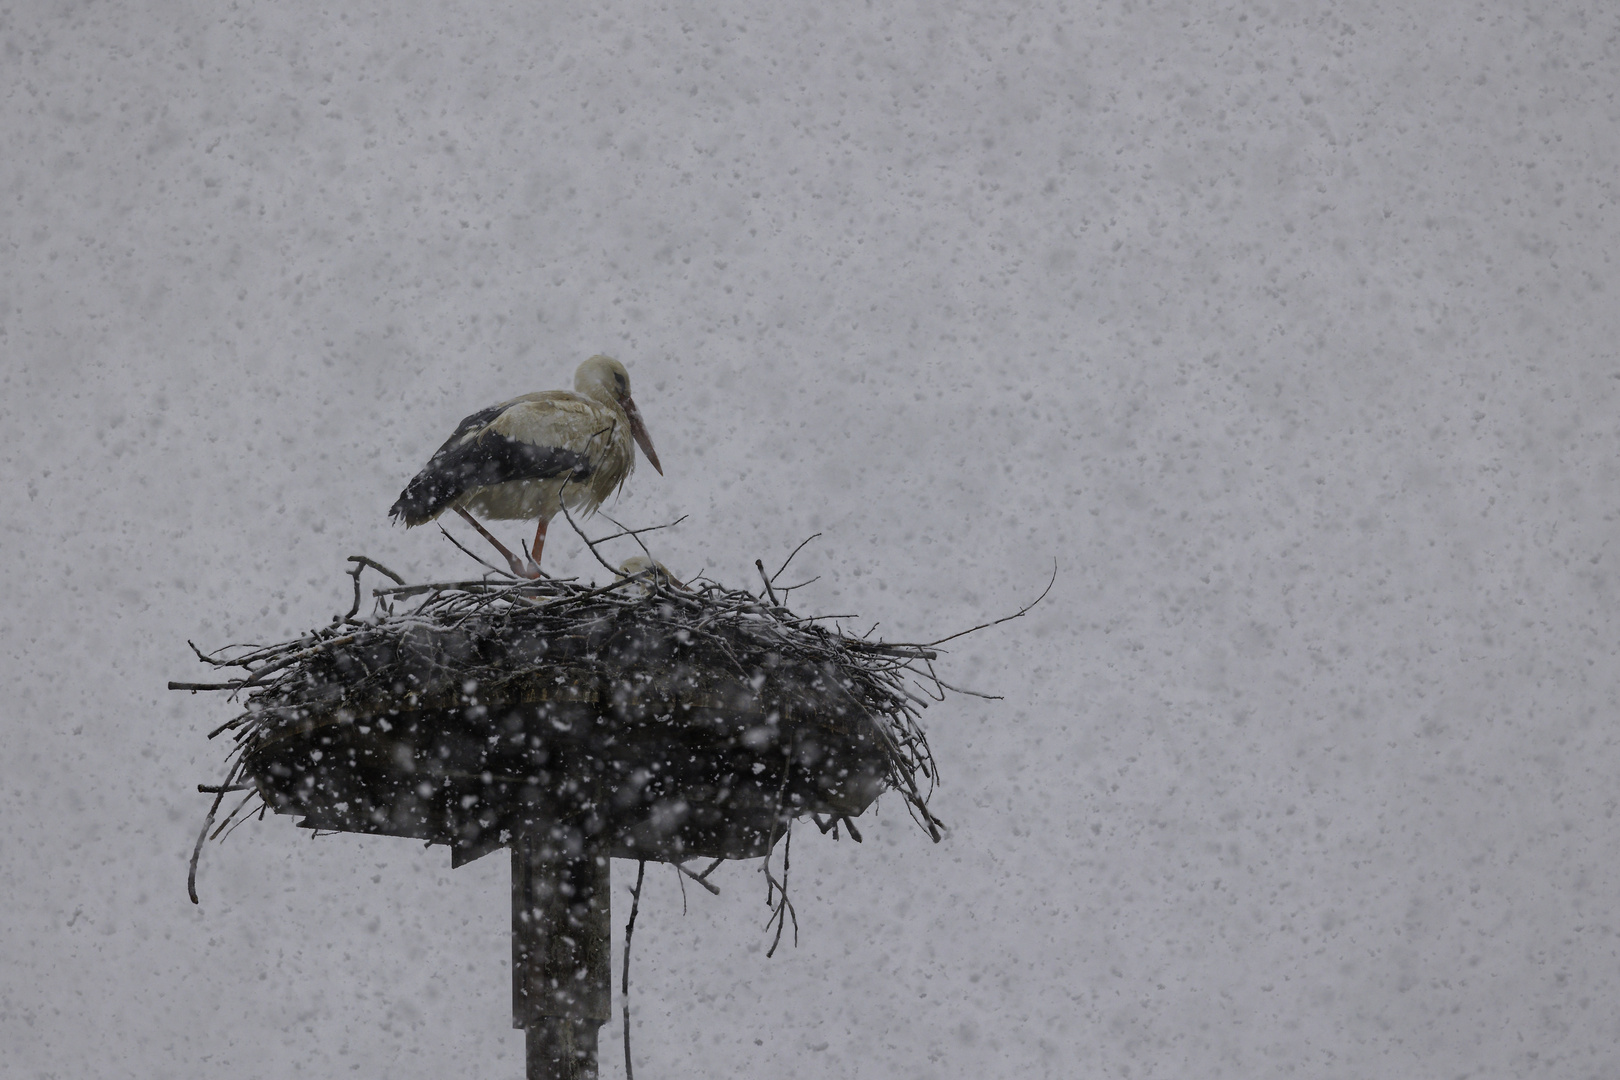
{"x": 1288, "y": 330}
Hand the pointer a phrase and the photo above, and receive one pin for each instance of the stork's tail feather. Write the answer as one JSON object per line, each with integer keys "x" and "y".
{"x": 421, "y": 501}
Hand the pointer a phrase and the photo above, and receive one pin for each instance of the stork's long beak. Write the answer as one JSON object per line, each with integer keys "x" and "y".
{"x": 639, "y": 430}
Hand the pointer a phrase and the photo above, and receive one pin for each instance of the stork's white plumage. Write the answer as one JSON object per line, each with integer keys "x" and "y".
{"x": 526, "y": 457}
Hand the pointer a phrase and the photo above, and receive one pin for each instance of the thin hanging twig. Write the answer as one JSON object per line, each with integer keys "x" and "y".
{"x": 624, "y": 983}
{"x": 208, "y": 822}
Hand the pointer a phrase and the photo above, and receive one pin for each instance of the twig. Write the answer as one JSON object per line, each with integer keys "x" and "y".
{"x": 377, "y": 566}
{"x": 488, "y": 566}
{"x": 711, "y": 886}
{"x": 196, "y": 852}
{"x": 360, "y": 563}
{"x": 809, "y": 581}
{"x": 785, "y": 904}
{"x": 205, "y": 658}
{"x": 563, "y": 503}
{"x": 1006, "y": 618}
{"x": 444, "y": 586}
{"x": 789, "y": 559}
{"x": 257, "y": 678}
{"x": 624, "y": 984}
{"x": 969, "y": 693}
{"x": 760, "y": 565}
{"x": 637, "y": 532}
{"x": 618, "y": 583}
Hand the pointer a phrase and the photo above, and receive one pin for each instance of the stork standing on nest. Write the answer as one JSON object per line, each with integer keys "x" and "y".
{"x": 527, "y": 457}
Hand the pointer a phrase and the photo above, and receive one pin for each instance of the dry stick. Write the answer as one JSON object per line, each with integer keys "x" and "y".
{"x": 377, "y": 566}
{"x": 469, "y": 555}
{"x": 624, "y": 984}
{"x": 1007, "y": 618}
{"x": 760, "y": 565}
{"x": 617, "y": 583}
{"x": 588, "y": 541}
{"x": 254, "y": 679}
{"x": 637, "y": 532}
{"x": 770, "y": 881}
{"x": 810, "y": 581}
{"x": 360, "y": 563}
{"x": 227, "y": 725}
{"x": 196, "y": 852}
{"x": 776, "y": 819}
{"x": 970, "y": 693}
{"x": 789, "y": 559}
{"x": 483, "y": 587}
{"x": 232, "y": 815}
{"x": 205, "y": 658}
{"x": 786, "y": 904}
{"x": 714, "y": 889}
{"x": 262, "y": 808}
{"x": 240, "y": 661}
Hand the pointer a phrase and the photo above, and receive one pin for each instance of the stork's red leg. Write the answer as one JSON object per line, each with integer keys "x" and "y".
{"x": 531, "y": 571}
{"x": 539, "y": 544}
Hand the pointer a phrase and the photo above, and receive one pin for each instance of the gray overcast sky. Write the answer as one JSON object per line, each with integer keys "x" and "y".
{"x": 1288, "y": 330}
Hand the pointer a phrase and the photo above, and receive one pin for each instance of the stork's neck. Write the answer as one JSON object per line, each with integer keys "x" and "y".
{"x": 598, "y": 393}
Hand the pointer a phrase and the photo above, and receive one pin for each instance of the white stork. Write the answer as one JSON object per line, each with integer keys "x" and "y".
{"x": 526, "y": 457}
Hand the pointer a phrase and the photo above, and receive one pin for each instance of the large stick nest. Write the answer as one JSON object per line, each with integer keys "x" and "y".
{"x": 669, "y": 720}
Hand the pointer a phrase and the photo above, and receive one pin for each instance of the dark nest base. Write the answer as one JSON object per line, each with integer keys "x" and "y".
{"x": 658, "y": 722}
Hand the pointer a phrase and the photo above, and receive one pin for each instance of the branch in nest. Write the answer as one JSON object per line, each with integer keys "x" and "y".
{"x": 789, "y": 559}
{"x": 471, "y": 556}
{"x": 575, "y": 525}
{"x": 770, "y": 592}
{"x": 636, "y": 533}
{"x": 360, "y": 563}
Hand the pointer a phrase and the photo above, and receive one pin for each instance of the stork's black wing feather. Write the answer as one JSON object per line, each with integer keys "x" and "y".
{"x": 481, "y": 418}
{"x": 490, "y": 458}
